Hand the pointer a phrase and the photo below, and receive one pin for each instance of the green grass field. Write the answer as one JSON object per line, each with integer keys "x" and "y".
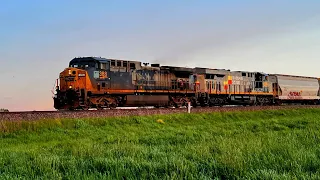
{"x": 282, "y": 144}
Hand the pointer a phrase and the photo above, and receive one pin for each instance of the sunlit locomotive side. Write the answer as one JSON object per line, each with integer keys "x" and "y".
{"x": 223, "y": 87}
{"x": 91, "y": 82}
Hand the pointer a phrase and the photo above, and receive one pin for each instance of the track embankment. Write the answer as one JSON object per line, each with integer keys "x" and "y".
{"x": 40, "y": 115}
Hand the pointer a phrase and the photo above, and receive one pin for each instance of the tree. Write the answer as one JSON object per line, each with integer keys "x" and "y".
{"x": 4, "y": 110}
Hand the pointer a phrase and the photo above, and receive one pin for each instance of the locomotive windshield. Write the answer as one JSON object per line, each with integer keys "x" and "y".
{"x": 84, "y": 64}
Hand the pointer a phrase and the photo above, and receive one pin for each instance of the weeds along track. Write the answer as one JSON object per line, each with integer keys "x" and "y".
{"x": 40, "y": 115}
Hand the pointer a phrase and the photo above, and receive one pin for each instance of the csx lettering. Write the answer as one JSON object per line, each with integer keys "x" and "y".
{"x": 293, "y": 95}
{"x": 102, "y": 74}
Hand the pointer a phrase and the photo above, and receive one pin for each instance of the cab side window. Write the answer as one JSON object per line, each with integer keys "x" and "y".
{"x": 113, "y": 63}
{"x": 103, "y": 66}
{"x": 132, "y": 66}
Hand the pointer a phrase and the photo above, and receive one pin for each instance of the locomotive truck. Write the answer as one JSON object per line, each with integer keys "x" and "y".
{"x": 95, "y": 82}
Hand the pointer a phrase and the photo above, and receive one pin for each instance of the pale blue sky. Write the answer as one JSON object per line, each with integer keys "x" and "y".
{"x": 38, "y": 38}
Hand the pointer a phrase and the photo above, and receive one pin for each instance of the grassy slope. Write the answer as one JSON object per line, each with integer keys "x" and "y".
{"x": 270, "y": 144}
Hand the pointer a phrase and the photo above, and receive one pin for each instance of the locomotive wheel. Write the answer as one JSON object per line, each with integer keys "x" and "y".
{"x": 99, "y": 107}
{"x": 113, "y": 106}
{"x": 85, "y": 108}
{"x": 172, "y": 104}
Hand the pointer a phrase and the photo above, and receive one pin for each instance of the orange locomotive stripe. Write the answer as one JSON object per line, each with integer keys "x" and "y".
{"x": 123, "y": 91}
{"x": 246, "y": 93}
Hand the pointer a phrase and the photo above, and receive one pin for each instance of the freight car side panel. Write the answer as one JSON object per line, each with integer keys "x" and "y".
{"x": 297, "y": 88}
{"x": 319, "y": 86}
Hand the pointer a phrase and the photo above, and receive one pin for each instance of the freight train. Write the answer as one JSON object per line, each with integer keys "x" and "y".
{"x": 95, "y": 82}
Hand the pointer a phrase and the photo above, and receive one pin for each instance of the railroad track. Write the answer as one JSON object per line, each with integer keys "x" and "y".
{"x": 37, "y": 115}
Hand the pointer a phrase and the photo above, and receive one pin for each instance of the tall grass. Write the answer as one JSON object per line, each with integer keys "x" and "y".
{"x": 282, "y": 144}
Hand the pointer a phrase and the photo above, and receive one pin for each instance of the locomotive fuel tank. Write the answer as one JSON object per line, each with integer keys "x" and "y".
{"x": 147, "y": 100}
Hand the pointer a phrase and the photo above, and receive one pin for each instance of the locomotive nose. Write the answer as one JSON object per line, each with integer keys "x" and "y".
{"x": 68, "y": 78}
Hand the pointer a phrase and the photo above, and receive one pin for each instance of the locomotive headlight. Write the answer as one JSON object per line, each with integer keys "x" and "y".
{"x": 70, "y": 87}
{"x": 69, "y": 72}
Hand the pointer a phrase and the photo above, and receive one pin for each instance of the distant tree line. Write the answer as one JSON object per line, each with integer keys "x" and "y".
{"x": 4, "y": 110}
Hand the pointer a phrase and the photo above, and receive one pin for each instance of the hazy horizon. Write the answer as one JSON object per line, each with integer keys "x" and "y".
{"x": 40, "y": 38}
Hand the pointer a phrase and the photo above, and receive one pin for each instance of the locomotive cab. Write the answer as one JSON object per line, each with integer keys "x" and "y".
{"x": 89, "y": 63}
{"x": 75, "y": 81}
